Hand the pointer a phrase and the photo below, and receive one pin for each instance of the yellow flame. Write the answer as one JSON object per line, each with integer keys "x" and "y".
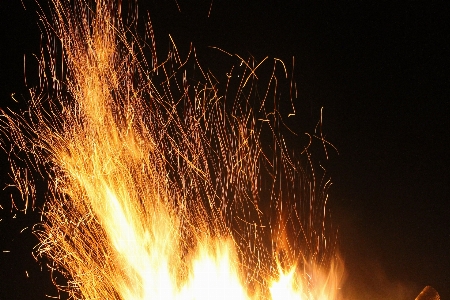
{"x": 155, "y": 190}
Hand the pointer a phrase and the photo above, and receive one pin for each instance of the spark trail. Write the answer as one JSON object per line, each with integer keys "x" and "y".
{"x": 162, "y": 186}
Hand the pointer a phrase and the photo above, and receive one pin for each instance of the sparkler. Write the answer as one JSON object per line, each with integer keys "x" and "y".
{"x": 162, "y": 186}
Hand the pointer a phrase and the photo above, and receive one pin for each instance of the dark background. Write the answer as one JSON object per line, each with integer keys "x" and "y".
{"x": 381, "y": 72}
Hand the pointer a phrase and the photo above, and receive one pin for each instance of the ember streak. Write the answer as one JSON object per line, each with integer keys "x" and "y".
{"x": 380, "y": 70}
{"x": 162, "y": 182}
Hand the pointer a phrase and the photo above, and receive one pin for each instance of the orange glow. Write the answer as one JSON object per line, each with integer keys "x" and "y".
{"x": 160, "y": 186}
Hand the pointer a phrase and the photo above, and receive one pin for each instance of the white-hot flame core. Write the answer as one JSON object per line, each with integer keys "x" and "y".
{"x": 155, "y": 189}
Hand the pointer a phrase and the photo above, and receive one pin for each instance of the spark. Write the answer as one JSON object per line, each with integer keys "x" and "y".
{"x": 161, "y": 183}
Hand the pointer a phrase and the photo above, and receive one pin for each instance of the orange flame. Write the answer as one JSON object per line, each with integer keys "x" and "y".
{"x": 161, "y": 187}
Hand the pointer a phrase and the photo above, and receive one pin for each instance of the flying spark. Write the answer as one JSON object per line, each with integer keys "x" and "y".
{"x": 163, "y": 182}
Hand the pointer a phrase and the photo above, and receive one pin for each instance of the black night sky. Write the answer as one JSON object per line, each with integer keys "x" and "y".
{"x": 380, "y": 69}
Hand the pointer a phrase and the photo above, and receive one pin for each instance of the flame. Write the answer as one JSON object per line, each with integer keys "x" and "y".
{"x": 161, "y": 187}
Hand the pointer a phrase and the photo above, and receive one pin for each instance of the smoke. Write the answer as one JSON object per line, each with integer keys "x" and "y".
{"x": 368, "y": 276}
{"x": 372, "y": 282}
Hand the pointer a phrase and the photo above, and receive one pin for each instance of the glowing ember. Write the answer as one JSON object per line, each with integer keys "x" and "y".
{"x": 428, "y": 293}
{"x": 160, "y": 186}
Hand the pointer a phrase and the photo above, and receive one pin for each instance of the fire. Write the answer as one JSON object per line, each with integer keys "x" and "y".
{"x": 162, "y": 187}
